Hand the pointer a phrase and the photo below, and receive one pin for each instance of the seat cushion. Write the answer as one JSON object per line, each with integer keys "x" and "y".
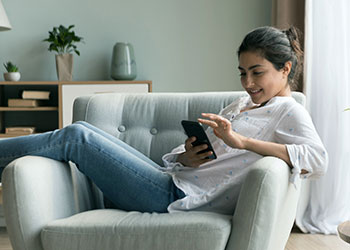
{"x": 114, "y": 229}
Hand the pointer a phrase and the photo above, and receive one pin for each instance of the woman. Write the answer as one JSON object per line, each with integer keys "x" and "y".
{"x": 265, "y": 122}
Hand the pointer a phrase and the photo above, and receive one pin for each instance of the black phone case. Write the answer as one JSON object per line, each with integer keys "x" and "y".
{"x": 193, "y": 128}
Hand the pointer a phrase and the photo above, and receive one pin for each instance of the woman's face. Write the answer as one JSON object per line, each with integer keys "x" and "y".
{"x": 260, "y": 78}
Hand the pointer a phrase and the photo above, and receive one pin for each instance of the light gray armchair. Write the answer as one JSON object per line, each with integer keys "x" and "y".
{"x": 50, "y": 205}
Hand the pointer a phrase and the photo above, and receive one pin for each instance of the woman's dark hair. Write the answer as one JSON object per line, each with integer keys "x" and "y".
{"x": 278, "y": 47}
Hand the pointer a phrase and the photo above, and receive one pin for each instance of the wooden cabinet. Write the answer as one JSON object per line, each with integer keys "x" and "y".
{"x": 57, "y": 111}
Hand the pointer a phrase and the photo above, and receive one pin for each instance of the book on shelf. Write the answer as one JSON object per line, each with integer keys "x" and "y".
{"x": 36, "y": 94}
{"x": 19, "y": 130}
{"x": 23, "y": 103}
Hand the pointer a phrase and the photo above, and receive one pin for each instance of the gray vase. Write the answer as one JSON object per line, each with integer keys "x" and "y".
{"x": 123, "y": 62}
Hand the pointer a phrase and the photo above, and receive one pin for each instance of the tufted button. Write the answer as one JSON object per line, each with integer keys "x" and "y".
{"x": 121, "y": 128}
{"x": 154, "y": 131}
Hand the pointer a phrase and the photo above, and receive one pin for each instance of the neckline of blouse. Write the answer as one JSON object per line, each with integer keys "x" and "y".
{"x": 252, "y": 106}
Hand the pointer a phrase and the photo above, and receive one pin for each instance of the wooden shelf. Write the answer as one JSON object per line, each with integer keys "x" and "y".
{"x": 28, "y": 108}
{"x": 59, "y": 83}
{"x": 7, "y": 83}
{"x": 59, "y": 107}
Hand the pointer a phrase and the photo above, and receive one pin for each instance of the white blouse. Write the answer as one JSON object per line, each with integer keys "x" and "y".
{"x": 215, "y": 185}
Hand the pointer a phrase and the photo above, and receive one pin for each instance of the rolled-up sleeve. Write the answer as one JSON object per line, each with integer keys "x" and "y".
{"x": 305, "y": 148}
{"x": 169, "y": 159}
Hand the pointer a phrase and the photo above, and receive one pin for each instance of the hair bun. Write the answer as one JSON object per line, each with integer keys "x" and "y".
{"x": 294, "y": 35}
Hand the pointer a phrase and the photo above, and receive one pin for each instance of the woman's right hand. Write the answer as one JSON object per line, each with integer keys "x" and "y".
{"x": 191, "y": 158}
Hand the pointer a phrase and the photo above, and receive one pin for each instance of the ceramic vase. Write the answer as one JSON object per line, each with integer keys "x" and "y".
{"x": 123, "y": 65}
{"x": 12, "y": 76}
{"x": 64, "y": 67}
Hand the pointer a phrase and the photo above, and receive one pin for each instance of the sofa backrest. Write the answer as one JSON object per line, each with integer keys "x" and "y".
{"x": 151, "y": 122}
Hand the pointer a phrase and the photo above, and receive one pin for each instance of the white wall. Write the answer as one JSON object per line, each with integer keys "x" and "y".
{"x": 181, "y": 45}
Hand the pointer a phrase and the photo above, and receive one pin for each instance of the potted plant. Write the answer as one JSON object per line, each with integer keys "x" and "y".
{"x": 63, "y": 41}
{"x": 12, "y": 72}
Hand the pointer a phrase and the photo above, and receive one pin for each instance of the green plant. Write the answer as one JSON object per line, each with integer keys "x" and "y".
{"x": 63, "y": 40}
{"x": 10, "y": 67}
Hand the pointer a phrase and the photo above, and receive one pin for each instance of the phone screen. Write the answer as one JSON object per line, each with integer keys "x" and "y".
{"x": 193, "y": 128}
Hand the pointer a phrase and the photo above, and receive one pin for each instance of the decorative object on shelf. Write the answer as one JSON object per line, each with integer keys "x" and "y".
{"x": 19, "y": 130}
{"x": 36, "y": 94}
{"x": 63, "y": 40}
{"x": 30, "y": 99}
{"x": 123, "y": 62}
{"x": 4, "y": 22}
{"x": 64, "y": 67}
{"x": 25, "y": 103}
{"x": 12, "y": 72}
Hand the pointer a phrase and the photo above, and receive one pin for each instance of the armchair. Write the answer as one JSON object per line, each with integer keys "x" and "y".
{"x": 50, "y": 205}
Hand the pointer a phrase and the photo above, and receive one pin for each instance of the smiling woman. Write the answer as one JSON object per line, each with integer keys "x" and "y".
{"x": 268, "y": 122}
{"x": 261, "y": 79}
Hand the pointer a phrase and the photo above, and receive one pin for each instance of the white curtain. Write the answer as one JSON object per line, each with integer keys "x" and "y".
{"x": 327, "y": 87}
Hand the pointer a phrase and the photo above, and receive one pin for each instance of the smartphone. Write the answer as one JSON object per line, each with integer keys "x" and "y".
{"x": 195, "y": 129}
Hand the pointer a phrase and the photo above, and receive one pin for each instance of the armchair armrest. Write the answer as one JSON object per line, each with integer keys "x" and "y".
{"x": 266, "y": 207}
{"x": 37, "y": 190}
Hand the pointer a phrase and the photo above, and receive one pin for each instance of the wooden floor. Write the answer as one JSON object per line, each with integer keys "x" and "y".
{"x": 4, "y": 240}
{"x": 297, "y": 241}
{"x": 301, "y": 241}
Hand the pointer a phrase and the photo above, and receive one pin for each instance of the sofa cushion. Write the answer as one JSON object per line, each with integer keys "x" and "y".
{"x": 114, "y": 229}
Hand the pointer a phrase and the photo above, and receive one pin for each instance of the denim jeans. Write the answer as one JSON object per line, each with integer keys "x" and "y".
{"x": 129, "y": 179}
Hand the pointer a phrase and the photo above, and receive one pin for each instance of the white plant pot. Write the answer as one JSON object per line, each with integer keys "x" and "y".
{"x": 12, "y": 76}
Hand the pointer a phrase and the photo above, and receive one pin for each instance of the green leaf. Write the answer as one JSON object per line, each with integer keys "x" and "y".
{"x": 62, "y": 40}
{"x": 10, "y": 67}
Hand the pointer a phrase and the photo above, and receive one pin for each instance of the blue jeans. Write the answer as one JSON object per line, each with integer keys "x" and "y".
{"x": 129, "y": 179}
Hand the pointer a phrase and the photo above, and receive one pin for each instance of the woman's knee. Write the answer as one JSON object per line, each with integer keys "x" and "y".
{"x": 83, "y": 123}
{"x": 75, "y": 130}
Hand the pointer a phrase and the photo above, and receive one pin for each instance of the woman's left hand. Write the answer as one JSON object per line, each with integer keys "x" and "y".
{"x": 222, "y": 129}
